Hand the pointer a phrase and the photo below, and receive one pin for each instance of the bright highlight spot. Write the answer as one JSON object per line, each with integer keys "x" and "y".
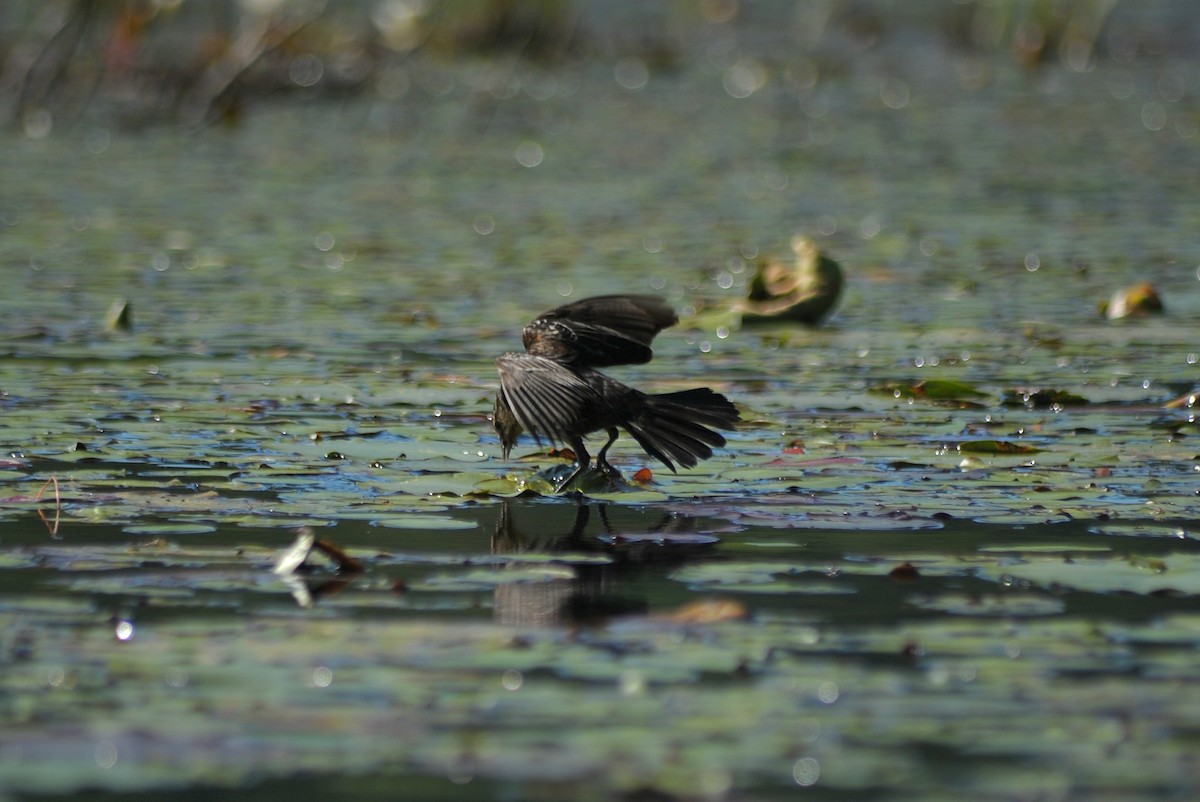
{"x": 631, "y": 73}
{"x": 806, "y": 771}
{"x": 484, "y": 224}
{"x": 744, "y": 78}
{"x": 529, "y": 154}
{"x": 106, "y": 754}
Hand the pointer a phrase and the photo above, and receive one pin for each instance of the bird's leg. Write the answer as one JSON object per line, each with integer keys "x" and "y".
{"x": 583, "y": 460}
{"x": 601, "y": 460}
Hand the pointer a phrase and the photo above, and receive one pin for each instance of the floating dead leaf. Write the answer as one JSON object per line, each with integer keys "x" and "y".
{"x": 296, "y": 558}
{"x": 1186, "y": 401}
{"x": 706, "y": 611}
{"x": 345, "y": 563}
{"x": 290, "y": 560}
{"x": 120, "y": 316}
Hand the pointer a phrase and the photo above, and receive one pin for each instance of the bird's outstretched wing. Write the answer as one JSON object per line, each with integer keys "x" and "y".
{"x": 600, "y": 331}
{"x": 545, "y": 397}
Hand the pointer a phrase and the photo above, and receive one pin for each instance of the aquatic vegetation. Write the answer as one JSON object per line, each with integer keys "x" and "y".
{"x": 950, "y": 551}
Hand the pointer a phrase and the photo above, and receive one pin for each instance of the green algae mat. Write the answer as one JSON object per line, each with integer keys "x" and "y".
{"x": 952, "y": 551}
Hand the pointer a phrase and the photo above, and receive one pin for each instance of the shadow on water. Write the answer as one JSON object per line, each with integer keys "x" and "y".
{"x": 636, "y": 547}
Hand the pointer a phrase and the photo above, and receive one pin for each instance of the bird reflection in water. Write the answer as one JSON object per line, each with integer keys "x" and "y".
{"x": 595, "y": 590}
{"x": 599, "y": 561}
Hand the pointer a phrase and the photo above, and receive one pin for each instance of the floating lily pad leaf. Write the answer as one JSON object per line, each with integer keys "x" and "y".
{"x": 743, "y": 575}
{"x": 505, "y": 487}
{"x": 790, "y": 474}
{"x": 486, "y": 579}
{"x": 632, "y": 496}
{"x": 156, "y": 552}
{"x": 421, "y": 522}
{"x": 169, "y": 529}
{"x": 173, "y": 587}
{"x": 660, "y": 538}
{"x": 1043, "y": 548}
{"x": 432, "y": 395}
{"x": 996, "y": 447}
{"x": 1145, "y": 530}
{"x": 806, "y": 587}
{"x": 49, "y": 606}
{"x": 381, "y": 450}
{"x": 989, "y": 604}
{"x": 1175, "y": 573}
{"x": 831, "y": 517}
{"x": 563, "y": 557}
{"x": 938, "y": 390}
{"x": 460, "y": 483}
{"x": 1179, "y": 628}
{"x": 282, "y": 522}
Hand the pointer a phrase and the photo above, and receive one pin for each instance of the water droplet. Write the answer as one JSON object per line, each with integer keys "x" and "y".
{"x": 529, "y": 154}
{"x": 106, "y": 754}
{"x": 322, "y": 676}
{"x": 806, "y": 771}
{"x": 512, "y": 680}
{"x": 484, "y": 224}
{"x": 124, "y": 630}
{"x": 631, "y": 73}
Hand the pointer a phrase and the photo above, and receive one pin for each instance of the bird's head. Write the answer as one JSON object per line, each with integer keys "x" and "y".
{"x": 506, "y": 424}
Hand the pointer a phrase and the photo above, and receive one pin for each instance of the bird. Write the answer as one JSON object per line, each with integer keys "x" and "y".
{"x": 554, "y": 391}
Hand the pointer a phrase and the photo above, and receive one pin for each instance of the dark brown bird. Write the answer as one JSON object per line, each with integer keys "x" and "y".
{"x": 554, "y": 392}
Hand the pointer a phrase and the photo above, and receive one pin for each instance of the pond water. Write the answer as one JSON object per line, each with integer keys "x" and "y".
{"x": 881, "y": 589}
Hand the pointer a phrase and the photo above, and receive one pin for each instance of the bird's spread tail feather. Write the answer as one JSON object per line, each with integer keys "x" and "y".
{"x": 673, "y": 428}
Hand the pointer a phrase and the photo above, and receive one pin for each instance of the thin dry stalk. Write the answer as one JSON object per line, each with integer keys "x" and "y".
{"x": 52, "y": 526}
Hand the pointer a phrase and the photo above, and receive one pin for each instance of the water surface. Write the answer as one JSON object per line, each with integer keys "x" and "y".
{"x": 869, "y": 594}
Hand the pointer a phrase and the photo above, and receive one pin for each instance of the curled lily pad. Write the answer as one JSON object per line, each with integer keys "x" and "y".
{"x": 119, "y": 316}
{"x": 1140, "y": 300}
{"x": 805, "y": 291}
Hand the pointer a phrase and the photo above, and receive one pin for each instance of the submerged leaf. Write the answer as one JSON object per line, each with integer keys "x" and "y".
{"x": 941, "y": 390}
{"x": 996, "y": 447}
{"x": 1038, "y": 398}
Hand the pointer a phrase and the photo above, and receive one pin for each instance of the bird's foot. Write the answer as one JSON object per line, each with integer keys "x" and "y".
{"x": 611, "y": 473}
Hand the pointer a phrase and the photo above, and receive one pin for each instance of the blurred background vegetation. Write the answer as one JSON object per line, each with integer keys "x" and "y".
{"x": 194, "y": 63}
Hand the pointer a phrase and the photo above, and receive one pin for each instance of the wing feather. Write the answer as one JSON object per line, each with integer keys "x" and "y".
{"x": 547, "y": 398}
{"x": 600, "y": 331}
